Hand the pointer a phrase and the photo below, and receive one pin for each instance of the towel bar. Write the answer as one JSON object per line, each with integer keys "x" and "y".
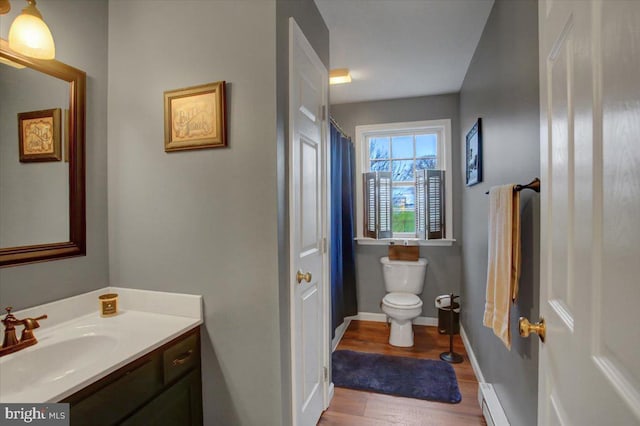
{"x": 534, "y": 185}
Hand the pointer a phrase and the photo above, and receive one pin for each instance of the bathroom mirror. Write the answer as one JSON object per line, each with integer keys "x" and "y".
{"x": 42, "y": 166}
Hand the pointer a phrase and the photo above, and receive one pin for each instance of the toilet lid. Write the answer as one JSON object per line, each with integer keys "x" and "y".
{"x": 402, "y": 300}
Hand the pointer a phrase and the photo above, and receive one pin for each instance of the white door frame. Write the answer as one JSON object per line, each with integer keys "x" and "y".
{"x": 296, "y": 35}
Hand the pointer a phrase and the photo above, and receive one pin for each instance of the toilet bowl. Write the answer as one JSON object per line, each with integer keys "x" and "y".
{"x": 404, "y": 281}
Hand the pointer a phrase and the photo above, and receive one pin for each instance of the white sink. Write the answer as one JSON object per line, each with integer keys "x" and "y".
{"x": 73, "y": 354}
{"x": 53, "y": 360}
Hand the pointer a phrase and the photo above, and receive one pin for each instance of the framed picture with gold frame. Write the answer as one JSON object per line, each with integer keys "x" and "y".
{"x": 39, "y": 135}
{"x": 195, "y": 117}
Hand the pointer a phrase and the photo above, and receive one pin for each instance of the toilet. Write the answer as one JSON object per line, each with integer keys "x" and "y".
{"x": 404, "y": 281}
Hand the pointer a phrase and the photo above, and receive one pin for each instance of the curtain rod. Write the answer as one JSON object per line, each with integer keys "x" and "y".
{"x": 335, "y": 123}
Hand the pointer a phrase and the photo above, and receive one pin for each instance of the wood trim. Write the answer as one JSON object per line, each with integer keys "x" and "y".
{"x": 76, "y": 246}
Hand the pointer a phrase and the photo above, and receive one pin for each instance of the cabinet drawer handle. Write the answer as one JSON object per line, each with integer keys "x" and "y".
{"x": 182, "y": 358}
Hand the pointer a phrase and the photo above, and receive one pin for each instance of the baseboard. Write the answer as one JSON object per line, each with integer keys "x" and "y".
{"x": 472, "y": 355}
{"x": 331, "y": 392}
{"x": 426, "y": 321}
{"x": 380, "y": 317}
{"x": 491, "y": 407}
{"x": 372, "y": 316}
{"x": 340, "y": 333}
{"x": 487, "y": 398}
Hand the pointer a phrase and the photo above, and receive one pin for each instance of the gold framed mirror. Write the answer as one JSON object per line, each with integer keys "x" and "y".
{"x": 67, "y": 222}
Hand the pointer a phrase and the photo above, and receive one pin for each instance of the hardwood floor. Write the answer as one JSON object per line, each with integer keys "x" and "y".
{"x": 358, "y": 408}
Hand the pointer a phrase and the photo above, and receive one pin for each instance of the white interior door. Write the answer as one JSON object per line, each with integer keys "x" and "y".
{"x": 308, "y": 87}
{"x": 590, "y": 243}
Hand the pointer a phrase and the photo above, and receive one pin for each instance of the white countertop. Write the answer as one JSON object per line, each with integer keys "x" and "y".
{"x": 76, "y": 346}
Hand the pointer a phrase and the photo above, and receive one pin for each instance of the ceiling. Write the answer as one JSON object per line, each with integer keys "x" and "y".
{"x": 402, "y": 48}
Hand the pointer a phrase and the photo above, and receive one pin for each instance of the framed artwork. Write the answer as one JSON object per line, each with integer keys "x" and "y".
{"x": 195, "y": 117}
{"x": 39, "y": 135}
{"x": 474, "y": 154}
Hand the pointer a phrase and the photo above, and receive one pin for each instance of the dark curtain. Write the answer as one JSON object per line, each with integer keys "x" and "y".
{"x": 343, "y": 254}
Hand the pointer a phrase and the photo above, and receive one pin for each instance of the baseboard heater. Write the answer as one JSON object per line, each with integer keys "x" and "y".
{"x": 491, "y": 407}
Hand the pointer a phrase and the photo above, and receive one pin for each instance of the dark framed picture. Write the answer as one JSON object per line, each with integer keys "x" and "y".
{"x": 39, "y": 135}
{"x": 474, "y": 154}
{"x": 195, "y": 117}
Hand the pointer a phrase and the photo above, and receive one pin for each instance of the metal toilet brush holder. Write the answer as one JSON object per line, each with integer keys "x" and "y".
{"x": 451, "y": 356}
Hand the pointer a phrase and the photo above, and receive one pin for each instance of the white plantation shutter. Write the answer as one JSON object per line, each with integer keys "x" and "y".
{"x": 420, "y": 204}
{"x": 384, "y": 205}
{"x": 429, "y": 203}
{"x": 369, "y": 204}
{"x": 377, "y": 204}
{"x": 435, "y": 204}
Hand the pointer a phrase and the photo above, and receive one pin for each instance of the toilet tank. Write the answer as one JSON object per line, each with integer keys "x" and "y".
{"x": 403, "y": 276}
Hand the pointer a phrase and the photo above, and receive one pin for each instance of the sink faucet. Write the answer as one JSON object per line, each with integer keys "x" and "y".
{"x": 10, "y": 342}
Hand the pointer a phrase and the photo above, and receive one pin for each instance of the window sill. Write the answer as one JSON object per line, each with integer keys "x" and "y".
{"x": 401, "y": 241}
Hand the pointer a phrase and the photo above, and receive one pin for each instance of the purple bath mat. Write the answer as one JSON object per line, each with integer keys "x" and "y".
{"x": 430, "y": 379}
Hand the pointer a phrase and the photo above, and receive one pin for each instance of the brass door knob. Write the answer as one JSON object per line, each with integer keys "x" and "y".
{"x": 301, "y": 276}
{"x": 527, "y": 328}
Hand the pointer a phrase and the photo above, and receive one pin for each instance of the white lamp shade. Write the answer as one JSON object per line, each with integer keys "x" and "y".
{"x": 30, "y": 36}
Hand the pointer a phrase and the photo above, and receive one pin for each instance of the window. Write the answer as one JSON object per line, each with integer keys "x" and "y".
{"x": 403, "y": 167}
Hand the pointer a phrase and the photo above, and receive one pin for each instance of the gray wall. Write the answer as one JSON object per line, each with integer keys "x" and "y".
{"x": 210, "y": 222}
{"x": 81, "y": 43}
{"x": 443, "y": 271}
{"x": 202, "y": 221}
{"x": 501, "y": 87}
{"x": 310, "y": 21}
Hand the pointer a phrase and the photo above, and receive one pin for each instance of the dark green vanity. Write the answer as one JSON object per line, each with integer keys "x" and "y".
{"x": 163, "y": 387}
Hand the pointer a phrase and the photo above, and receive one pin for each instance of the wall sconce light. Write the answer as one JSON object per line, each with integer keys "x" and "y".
{"x": 5, "y": 7}
{"x": 339, "y": 76}
{"x": 28, "y": 34}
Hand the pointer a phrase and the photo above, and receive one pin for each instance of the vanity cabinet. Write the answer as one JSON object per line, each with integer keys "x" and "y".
{"x": 178, "y": 405}
{"x": 163, "y": 387}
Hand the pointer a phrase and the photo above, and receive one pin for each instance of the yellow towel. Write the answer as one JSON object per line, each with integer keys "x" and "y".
{"x": 503, "y": 271}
